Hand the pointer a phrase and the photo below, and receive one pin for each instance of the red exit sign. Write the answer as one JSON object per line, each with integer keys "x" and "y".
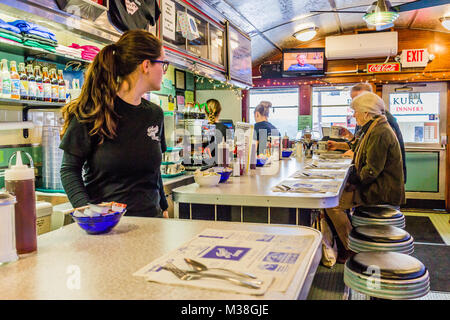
{"x": 383, "y": 67}
{"x": 415, "y": 58}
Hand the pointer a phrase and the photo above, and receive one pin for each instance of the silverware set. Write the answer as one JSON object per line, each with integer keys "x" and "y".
{"x": 198, "y": 273}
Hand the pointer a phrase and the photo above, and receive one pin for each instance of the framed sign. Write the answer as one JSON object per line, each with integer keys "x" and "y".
{"x": 239, "y": 55}
{"x": 180, "y": 79}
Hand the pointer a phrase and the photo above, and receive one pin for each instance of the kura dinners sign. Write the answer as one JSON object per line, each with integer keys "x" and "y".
{"x": 383, "y": 67}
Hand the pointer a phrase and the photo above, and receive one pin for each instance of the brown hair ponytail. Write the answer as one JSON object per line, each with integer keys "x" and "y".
{"x": 111, "y": 66}
{"x": 213, "y": 109}
{"x": 263, "y": 108}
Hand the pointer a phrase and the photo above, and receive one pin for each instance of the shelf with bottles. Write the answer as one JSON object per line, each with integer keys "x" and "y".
{"x": 38, "y": 53}
{"x": 28, "y": 85}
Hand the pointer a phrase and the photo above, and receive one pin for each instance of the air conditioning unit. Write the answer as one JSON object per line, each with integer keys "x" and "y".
{"x": 365, "y": 45}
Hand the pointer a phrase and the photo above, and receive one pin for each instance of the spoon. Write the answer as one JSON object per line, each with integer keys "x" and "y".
{"x": 197, "y": 266}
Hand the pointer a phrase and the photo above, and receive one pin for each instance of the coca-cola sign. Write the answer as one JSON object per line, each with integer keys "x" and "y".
{"x": 383, "y": 67}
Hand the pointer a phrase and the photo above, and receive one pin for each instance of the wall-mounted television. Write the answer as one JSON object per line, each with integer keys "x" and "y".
{"x": 303, "y": 62}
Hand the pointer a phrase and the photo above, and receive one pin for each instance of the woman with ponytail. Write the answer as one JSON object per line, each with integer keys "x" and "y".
{"x": 263, "y": 128}
{"x": 113, "y": 135}
{"x": 213, "y": 109}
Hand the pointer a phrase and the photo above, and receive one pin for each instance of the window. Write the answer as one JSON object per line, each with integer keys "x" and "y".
{"x": 284, "y": 113}
{"x": 331, "y": 106}
{"x": 417, "y": 114}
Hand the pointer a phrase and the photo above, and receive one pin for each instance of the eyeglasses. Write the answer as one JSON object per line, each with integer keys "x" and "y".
{"x": 165, "y": 64}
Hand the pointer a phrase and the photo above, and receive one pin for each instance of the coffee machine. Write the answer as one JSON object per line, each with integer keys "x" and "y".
{"x": 197, "y": 141}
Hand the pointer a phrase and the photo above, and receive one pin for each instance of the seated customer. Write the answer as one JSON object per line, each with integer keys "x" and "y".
{"x": 263, "y": 128}
{"x": 355, "y": 91}
{"x": 377, "y": 177}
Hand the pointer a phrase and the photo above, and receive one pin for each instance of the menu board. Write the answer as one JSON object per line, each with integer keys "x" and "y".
{"x": 240, "y": 53}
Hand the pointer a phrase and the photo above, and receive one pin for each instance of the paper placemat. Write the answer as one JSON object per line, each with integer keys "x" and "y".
{"x": 273, "y": 258}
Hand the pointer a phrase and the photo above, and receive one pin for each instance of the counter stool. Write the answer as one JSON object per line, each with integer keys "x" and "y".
{"x": 387, "y": 275}
{"x": 380, "y": 238}
{"x": 375, "y": 215}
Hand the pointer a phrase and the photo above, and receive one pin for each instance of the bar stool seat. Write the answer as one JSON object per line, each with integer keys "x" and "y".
{"x": 380, "y": 238}
{"x": 374, "y": 215}
{"x": 387, "y": 275}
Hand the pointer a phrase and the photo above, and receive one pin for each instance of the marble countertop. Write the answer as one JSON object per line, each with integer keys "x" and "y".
{"x": 70, "y": 264}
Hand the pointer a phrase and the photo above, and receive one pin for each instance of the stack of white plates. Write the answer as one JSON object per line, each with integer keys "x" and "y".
{"x": 380, "y": 238}
{"x": 378, "y": 216}
{"x": 387, "y": 275}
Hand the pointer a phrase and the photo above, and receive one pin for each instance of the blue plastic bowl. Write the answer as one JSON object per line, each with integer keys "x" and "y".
{"x": 98, "y": 225}
{"x": 260, "y": 162}
{"x": 224, "y": 175}
{"x": 286, "y": 154}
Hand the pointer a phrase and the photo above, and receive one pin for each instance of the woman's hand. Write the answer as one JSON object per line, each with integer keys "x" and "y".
{"x": 333, "y": 145}
{"x": 346, "y": 134}
{"x": 348, "y": 154}
{"x": 166, "y": 214}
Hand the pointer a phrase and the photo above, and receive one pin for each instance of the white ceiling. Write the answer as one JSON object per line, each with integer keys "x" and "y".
{"x": 271, "y": 23}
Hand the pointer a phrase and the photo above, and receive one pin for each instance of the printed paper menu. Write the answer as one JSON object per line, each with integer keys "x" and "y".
{"x": 264, "y": 255}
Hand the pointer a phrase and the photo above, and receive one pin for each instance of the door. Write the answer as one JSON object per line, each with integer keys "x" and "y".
{"x": 420, "y": 110}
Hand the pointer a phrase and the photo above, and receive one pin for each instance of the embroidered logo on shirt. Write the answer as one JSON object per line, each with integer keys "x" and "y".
{"x": 131, "y": 7}
{"x": 152, "y": 131}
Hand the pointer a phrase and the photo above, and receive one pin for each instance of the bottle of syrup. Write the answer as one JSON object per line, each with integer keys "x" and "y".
{"x": 19, "y": 181}
{"x": 62, "y": 87}
{"x": 6, "y": 80}
{"x": 15, "y": 81}
{"x": 47, "y": 85}
{"x": 23, "y": 82}
{"x": 32, "y": 86}
{"x": 39, "y": 83}
{"x": 55, "y": 85}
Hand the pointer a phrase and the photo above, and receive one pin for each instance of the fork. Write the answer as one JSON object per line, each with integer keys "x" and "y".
{"x": 183, "y": 275}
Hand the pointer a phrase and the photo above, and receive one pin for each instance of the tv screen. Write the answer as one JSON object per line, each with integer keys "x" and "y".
{"x": 305, "y": 61}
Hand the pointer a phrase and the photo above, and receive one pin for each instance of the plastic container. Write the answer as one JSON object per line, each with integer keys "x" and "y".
{"x": 19, "y": 181}
{"x": 8, "y": 251}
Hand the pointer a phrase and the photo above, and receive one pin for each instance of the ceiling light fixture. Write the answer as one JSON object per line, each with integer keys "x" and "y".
{"x": 306, "y": 34}
{"x": 445, "y": 22}
{"x": 380, "y": 14}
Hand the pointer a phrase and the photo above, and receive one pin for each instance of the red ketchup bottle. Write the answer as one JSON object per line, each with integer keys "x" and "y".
{"x": 19, "y": 181}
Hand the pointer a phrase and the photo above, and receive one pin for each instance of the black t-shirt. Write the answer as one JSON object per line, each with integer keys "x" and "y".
{"x": 125, "y": 169}
{"x": 133, "y": 14}
{"x": 263, "y": 130}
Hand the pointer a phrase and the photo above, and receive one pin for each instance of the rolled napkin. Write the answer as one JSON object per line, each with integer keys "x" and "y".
{"x": 166, "y": 277}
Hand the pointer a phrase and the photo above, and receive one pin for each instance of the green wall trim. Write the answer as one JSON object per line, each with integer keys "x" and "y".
{"x": 422, "y": 171}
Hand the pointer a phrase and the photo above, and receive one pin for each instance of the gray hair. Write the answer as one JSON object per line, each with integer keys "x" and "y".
{"x": 362, "y": 86}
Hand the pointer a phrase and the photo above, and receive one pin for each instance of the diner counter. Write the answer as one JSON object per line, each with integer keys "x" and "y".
{"x": 71, "y": 264}
{"x": 256, "y": 190}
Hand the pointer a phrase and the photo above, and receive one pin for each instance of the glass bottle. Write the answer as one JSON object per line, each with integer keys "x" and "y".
{"x": 62, "y": 87}
{"x": 47, "y": 85}
{"x": 6, "y": 80}
{"x": 15, "y": 81}
{"x": 39, "y": 83}
{"x": 32, "y": 87}
{"x": 55, "y": 85}
{"x": 23, "y": 82}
